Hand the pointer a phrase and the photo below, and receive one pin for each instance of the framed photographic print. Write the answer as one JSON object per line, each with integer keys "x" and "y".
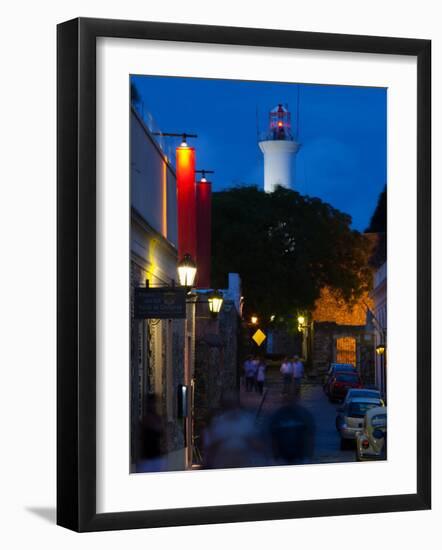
{"x": 224, "y": 348}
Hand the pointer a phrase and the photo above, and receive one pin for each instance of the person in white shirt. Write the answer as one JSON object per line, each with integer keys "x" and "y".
{"x": 287, "y": 375}
{"x": 260, "y": 376}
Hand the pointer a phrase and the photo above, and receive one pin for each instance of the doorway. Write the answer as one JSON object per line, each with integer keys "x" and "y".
{"x": 346, "y": 350}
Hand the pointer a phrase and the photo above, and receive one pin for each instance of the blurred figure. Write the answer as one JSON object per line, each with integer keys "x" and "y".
{"x": 255, "y": 362}
{"x": 287, "y": 375}
{"x": 151, "y": 434}
{"x": 298, "y": 373}
{"x": 250, "y": 368}
{"x": 260, "y": 376}
{"x": 232, "y": 439}
{"x": 292, "y": 434}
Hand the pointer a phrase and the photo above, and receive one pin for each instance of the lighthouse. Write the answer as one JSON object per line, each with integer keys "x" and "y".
{"x": 279, "y": 149}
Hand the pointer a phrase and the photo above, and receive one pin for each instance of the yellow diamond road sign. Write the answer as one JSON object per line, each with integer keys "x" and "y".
{"x": 259, "y": 337}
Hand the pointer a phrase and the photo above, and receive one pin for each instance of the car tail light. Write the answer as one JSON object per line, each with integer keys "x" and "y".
{"x": 365, "y": 443}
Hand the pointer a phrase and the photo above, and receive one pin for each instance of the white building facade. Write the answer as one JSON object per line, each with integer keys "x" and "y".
{"x": 162, "y": 351}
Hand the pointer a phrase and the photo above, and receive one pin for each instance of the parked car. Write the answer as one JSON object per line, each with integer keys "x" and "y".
{"x": 341, "y": 383}
{"x": 353, "y": 418}
{"x": 335, "y": 368}
{"x": 340, "y": 367}
{"x": 357, "y": 393}
{"x": 366, "y": 391}
{"x": 371, "y": 442}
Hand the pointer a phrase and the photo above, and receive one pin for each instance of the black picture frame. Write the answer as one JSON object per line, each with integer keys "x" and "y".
{"x": 76, "y": 274}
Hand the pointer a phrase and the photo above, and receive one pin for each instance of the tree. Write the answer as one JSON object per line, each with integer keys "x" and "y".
{"x": 378, "y": 224}
{"x": 286, "y": 247}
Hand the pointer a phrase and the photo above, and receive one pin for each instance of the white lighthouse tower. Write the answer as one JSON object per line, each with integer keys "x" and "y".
{"x": 279, "y": 149}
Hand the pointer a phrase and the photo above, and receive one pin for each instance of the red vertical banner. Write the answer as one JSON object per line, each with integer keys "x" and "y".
{"x": 204, "y": 232}
{"x": 185, "y": 174}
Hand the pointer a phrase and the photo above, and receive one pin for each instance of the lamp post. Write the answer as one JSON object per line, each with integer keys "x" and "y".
{"x": 373, "y": 323}
{"x": 187, "y": 271}
{"x": 186, "y": 274}
{"x": 380, "y": 350}
{"x": 303, "y": 329}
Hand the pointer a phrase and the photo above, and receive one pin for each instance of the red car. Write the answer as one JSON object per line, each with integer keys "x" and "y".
{"x": 341, "y": 383}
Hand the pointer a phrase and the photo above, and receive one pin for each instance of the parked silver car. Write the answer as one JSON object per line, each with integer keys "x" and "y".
{"x": 353, "y": 418}
{"x": 356, "y": 393}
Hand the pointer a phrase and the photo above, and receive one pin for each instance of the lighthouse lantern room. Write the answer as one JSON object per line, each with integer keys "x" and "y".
{"x": 279, "y": 149}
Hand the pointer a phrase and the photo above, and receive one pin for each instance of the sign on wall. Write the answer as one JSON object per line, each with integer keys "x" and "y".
{"x": 160, "y": 303}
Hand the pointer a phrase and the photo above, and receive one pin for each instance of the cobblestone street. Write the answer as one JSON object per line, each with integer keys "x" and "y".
{"x": 311, "y": 397}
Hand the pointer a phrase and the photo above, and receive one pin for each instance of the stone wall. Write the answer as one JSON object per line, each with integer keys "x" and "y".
{"x": 282, "y": 342}
{"x": 173, "y": 375}
{"x": 216, "y": 361}
{"x": 323, "y": 346}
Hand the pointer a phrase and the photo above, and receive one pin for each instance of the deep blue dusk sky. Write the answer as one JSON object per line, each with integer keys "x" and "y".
{"x": 342, "y": 131}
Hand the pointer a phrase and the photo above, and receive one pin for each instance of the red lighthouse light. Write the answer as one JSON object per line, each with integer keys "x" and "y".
{"x": 279, "y": 123}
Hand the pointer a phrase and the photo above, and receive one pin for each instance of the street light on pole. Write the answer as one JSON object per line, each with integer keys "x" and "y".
{"x": 380, "y": 350}
{"x": 301, "y": 323}
{"x": 215, "y": 300}
{"x": 303, "y": 328}
{"x": 187, "y": 271}
{"x": 372, "y": 322}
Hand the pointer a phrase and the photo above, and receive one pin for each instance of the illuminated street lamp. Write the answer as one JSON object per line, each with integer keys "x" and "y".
{"x": 215, "y": 302}
{"x": 254, "y": 320}
{"x": 187, "y": 271}
{"x": 301, "y": 323}
{"x": 380, "y": 349}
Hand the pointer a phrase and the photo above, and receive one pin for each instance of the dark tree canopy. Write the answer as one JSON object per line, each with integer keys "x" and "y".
{"x": 378, "y": 224}
{"x": 286, "y": 247}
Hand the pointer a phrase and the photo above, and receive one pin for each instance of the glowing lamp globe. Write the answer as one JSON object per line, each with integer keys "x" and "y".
{"x": 380, "y": 349}
{"x": 215, "y": 302}
{"x": 187, "y": 271}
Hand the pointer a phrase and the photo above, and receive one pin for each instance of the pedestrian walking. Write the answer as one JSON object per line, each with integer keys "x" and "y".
{"x": 287, "y": 375}
{"x": 250, "y": 368}
{"x": 260, "y": 376}
{"x": 255, "y": 363}
{"x": 233, "y": 438}
{"x": 298, "y": 373}
{"x": 292, "y": 432}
